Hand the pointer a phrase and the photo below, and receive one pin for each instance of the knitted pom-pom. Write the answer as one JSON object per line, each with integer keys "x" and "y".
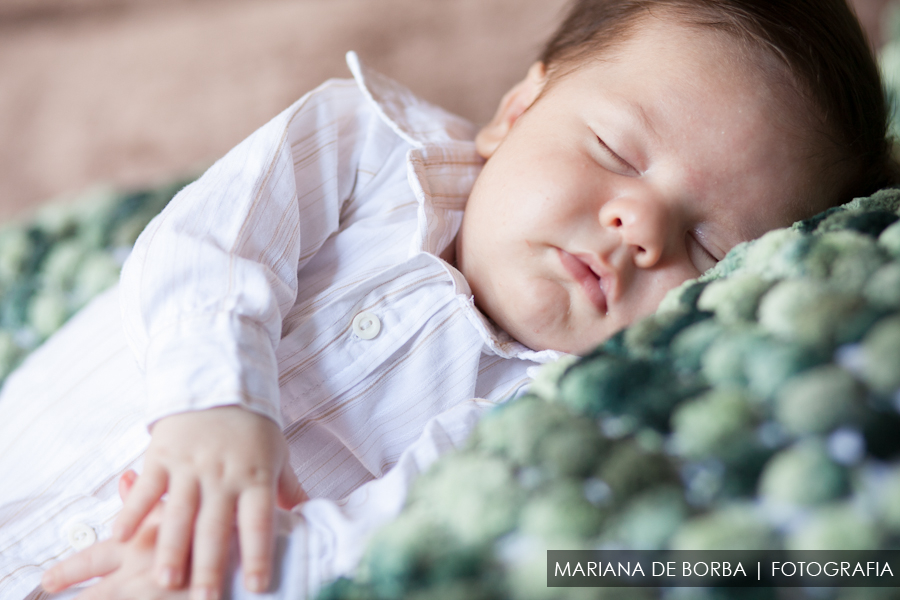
{"x": 734, "y": 299}
{"x": 615, "y": 386}
{"x": 650, "y": 337}
{"x": 886, "y": 499}
{"x": 61, "y": 266}
{"x": 841, "y": 526}
{"x": 47, "y": 311}
{"x": 490, "y": 507}
{"x": 807, "y": 311}
{"x": 890, "y": 240}
{"x": 845, "y": 258}
{"x": 682, "y": 298}
{"x": 803, "y": 474}
{"x": 648, "y": 521}
{"x": 703, "y": 426}
{"x": 16, "y": 250}
{"x": 571, "y": 450}
{"x": 818, "y": 400}
{"x": 689, "y": 346}
{"x": 777, "y": 254}
{"x": 723, "y": 363}
{"x": 883, "y": 287}
{"x": 514, "y": 431}
{"x": 629, "y": 470}
{"x": 413, "y": 553}
{"x": 561, "y": 511}
{"x": 881, "y": 351}
{"x": 776, "y": 362}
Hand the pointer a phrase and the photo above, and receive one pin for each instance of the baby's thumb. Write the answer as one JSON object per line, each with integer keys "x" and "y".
{"x": 126, "y": 482}
{"x": 290, "y": 493}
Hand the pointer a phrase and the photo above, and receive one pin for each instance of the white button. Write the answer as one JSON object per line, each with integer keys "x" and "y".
{"x": 80, "y": 535}
{"x": 366, "y": 325}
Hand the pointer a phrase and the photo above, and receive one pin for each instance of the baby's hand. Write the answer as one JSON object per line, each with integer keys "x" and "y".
{"x": 217, "y": 465}
{"x": 126, "y": 568}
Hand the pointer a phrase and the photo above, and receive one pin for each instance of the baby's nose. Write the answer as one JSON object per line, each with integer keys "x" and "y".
{"x": 641, "y": 224}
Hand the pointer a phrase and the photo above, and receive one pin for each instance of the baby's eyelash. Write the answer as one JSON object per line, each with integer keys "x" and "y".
{"x": 706, "y": 259}
{"x": 622, "y": 162}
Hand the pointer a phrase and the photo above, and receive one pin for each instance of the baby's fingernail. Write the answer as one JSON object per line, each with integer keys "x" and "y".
{"x": 257, "y": 583}
{"x": 48, "y": 581}
{"x": 205, "y": 593}
{"x": 169, "y": 578}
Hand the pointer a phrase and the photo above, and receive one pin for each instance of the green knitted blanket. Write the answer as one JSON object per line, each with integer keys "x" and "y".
{"x": 53, "y": 264}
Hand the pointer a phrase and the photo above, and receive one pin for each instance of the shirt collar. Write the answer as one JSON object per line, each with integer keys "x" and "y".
{"x": 415, "y": 120}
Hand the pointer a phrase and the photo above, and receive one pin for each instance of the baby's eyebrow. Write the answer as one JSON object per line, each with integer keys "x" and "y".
{"x": 740, "y": 230}
{"x": 633, "y": 115}
{"x": 640, "y": 116}
{"x": 751, "y": 226}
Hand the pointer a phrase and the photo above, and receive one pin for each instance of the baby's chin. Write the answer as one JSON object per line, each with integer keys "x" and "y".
{"x": 567, "y": 342}
{"x": 557, "y": 332}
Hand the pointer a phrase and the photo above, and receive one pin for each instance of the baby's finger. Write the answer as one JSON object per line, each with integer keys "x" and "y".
{"x": 212, "y": 533}
{"x": 150, "y": 487}
{"x": 256, "y": 513}
{"x": 126, "y": 482}
{"x": 174, "y": 542}
{"x": 95, "y": 561}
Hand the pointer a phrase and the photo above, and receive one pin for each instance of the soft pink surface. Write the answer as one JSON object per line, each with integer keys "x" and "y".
{"x": 136, "y": 92}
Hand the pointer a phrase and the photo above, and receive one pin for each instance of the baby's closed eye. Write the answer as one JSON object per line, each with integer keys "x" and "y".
{"x": 614, "y": 162}
{"x": 701, "y": 257}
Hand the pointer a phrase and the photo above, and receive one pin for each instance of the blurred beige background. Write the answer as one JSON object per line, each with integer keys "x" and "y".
{"x": 138, "y": 92}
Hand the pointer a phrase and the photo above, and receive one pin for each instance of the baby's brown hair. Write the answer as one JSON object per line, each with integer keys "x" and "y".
{"x": 818, "y": 43}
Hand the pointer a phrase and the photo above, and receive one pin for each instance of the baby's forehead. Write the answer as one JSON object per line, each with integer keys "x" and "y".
{"x": 715, "y": 60}
{"x": 743, "y": 54}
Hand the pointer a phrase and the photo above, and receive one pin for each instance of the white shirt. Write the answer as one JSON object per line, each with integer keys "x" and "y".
{"x": 245, "y": 291}
{"x": 337, "y": 207}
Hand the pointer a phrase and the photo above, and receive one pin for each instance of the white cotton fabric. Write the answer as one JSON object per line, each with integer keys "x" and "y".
{"x": 243, "y": 292}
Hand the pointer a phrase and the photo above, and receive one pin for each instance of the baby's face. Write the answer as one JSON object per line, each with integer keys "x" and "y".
{"x": 625, "y": 178}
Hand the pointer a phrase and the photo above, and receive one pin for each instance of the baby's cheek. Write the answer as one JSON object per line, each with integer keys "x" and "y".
{"x": 540, "y": 316}
{"x": 654, "y": 289}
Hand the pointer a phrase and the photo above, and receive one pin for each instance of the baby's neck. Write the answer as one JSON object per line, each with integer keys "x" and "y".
{"x": 449, "y": 253}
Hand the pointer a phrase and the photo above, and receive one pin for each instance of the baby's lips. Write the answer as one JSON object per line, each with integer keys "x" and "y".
{"x": 606, "y": 275}
{"x": 588, "y": 280}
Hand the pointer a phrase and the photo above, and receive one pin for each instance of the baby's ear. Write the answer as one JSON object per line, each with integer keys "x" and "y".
{"x": 514, "y": 103}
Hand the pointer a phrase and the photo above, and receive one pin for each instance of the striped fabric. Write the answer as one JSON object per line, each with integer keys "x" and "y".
{"x": 245, "y": 290}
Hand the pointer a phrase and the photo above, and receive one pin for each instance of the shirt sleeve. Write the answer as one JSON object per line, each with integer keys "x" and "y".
{"x": 209, "y": 281}
{"x": 323, "y": 540}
